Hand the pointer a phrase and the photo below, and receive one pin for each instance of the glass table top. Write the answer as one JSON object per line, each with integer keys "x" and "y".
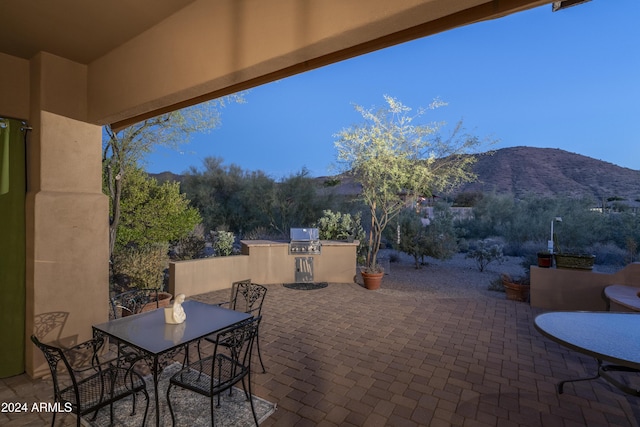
{"x": 149, "y": 332}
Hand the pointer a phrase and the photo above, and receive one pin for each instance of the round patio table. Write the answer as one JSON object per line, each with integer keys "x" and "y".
{"x": 613, "y": 339}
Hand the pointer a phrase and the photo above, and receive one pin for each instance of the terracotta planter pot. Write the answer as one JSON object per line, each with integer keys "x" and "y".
{"x": 515, "y": 291}
{"x": 545, "y": 260}
{"x": 164, "y": 298}
{"x": 372, "y": 281}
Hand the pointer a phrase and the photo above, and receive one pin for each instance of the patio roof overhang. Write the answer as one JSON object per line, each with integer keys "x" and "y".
{"x": 153, "y": 56}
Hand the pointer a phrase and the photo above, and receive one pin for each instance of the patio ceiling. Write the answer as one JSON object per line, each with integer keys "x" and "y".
{"x": 79, "y": 30}
{"x": 148, "y": 57}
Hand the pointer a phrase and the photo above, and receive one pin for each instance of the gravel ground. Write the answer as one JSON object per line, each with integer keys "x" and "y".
{"x": 456, "y": 277}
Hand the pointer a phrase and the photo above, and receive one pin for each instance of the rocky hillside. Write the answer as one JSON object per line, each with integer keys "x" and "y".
{"x": 549, "y": 171}
{"x": 521, "y": 171}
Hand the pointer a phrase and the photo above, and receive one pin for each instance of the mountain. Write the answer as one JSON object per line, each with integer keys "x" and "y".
{"x": 521, "y": 171}
{"x": 549, "y": 171}
{"x": 167, "y": 176}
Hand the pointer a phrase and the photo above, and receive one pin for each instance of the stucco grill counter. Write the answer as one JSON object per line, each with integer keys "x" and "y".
{"x": 303, "y": 259}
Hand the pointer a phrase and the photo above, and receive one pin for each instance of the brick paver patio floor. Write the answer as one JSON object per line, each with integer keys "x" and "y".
{"x": 345, "y": 356}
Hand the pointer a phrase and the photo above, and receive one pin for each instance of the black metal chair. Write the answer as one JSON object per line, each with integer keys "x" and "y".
{"x": 132, "y": 302}
{"x": 229, "y": 365}
{"x": 248, "y": 298}
{"x": 129, "y": 303}
{"x": 93, "y": 385}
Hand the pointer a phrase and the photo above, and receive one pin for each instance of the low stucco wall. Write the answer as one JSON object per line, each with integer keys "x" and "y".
{"x": 262, "y": 261}
{"x": 200, "y": 276}
{"x": 271, "y": 262}
{"x": 568, "y": 289}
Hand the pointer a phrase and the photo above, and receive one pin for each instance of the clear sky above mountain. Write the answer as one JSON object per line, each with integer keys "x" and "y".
{"x": 568, "y": 79}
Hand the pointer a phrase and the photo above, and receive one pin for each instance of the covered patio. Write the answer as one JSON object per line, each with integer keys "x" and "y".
{"x": 335, "y": 356}
{"x": 70, "y": 67}
{"x": 342, "y": 356}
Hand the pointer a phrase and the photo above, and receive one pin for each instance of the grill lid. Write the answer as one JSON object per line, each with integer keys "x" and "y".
{"x": 304, "y": 234}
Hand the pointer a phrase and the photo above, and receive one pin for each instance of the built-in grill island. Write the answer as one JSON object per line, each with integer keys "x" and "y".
{"x": 301, "y": 259}
{"x": 304, "y": 241}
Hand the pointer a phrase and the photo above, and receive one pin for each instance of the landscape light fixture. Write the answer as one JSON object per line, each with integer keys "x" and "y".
{"x": 559, "y": 5}
{"x": 550, "y": 242}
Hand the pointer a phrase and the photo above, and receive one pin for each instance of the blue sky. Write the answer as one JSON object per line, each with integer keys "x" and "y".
{"x": 569, "y": 80}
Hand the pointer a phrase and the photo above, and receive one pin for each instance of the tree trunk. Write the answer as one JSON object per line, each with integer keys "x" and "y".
{"x": 115, "y": 190}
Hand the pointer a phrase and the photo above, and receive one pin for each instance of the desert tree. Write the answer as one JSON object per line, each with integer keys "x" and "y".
{"x": 295, "y": 203}
{"x": 397, "y": 160}
{"x": 229, "y": 197}
{"x": 124, "y": 149}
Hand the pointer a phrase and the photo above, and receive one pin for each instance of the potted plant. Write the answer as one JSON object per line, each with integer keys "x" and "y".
{"x": 545, "y": 259}
{"x": 575, "y": 260}
{"x": 516, "y": 289}
{"x": 396, "y": 162}
{"x": 164, "y": 298}
{"x": 572, "y": 259}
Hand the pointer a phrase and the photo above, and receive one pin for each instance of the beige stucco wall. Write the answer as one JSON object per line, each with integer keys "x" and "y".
{"x": 569, "y": 289}
{"x": 263, "y": 262}
{"x": 66, "y": 212}
{"x": 200, "y": 276}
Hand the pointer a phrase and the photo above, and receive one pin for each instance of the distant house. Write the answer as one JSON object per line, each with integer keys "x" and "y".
{"x": 458, "y": 213}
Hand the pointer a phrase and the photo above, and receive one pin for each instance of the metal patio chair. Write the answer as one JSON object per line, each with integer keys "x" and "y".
{"x": 230, "y": 364}
{"x": 248, "y": 298}
{"x": 93, "y": 385}
{"x": 133, "y": 302}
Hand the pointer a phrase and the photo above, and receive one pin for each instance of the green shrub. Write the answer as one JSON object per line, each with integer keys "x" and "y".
{"x": 141, "y": 267}
{"x": 189, "y": 247}
{"x": 262, "y": 233}
{"x": 609, "y": 254}
{"x": 223, "y": 242}
{"x": 496, "y": 285}
{"x": 413, "y": 239}
{"x": 339, "y": 226}
{"x": 436, "y": 240}
{"x": 485, "y": 252}
{"x": 523, "y": 249}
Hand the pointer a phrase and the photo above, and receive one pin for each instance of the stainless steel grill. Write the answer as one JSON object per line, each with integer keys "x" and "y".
{"x": 304, "y": 241}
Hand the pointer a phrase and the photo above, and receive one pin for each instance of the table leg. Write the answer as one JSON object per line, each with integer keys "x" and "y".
{"x": 603, "y": 371}
{"x": 562, "y": 383}
{"x": 596, "y": 376}
{"x": 156, "y": 368}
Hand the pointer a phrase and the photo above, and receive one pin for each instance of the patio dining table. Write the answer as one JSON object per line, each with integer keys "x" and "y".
{"x": 613, "y": 339}
{"x": 158, "y": 342}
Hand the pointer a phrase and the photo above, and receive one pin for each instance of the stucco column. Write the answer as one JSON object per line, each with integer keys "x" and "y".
{"x": 67, "y": 213}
